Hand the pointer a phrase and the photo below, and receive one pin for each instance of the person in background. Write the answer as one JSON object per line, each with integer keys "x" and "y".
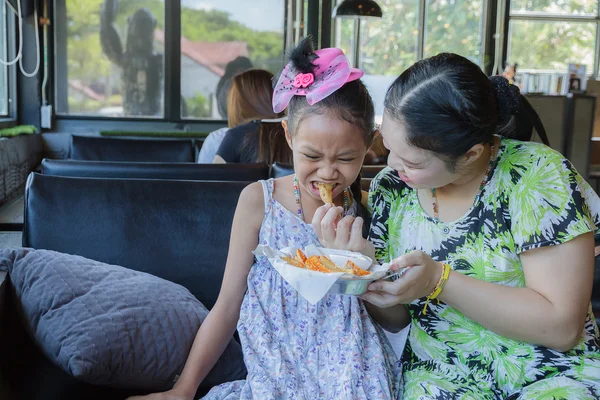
{"x": 256, "y": 133}
{"x": 213, "y": 140}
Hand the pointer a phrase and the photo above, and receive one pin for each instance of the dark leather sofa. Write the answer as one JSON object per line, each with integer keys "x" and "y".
{"x": 178, "y": 230}
{"x": 155, "y": 170}
{"x": 95, "y": 148}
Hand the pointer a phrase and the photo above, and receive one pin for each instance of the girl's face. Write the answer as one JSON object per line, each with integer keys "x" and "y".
{"x": 326, "y": 149}
{"x": 418, "y": 168}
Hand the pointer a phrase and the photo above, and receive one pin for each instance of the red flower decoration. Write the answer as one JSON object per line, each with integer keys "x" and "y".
{"x": 304, "y": 80}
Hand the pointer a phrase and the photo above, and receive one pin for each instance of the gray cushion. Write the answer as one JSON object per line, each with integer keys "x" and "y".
{"x": 110, "y": 325}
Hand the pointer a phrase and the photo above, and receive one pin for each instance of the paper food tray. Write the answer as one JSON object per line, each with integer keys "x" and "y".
{"x": 314, "y": 285}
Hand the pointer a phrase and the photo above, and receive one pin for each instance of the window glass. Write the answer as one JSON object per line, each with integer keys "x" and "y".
{"x": 454, "y": 26}
{"x": 221, "y": 39}
{"x": 112, "y": 61}
{"x": 557, "y": 44}
{"x": 557, "y": 7}
{"x": 388, "y": 45}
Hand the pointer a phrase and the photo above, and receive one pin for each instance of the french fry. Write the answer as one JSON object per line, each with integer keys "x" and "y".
{"x": 333, "y": 267}
{"x": 356, "y": 269}
{"x": 300, "y": 256}
{"x": 293, "y": 261}
{"x": 326, "y": 192}
{"x": 314, "y": 263}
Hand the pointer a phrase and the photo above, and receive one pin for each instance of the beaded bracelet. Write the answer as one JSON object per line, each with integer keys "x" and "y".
{"x": 438, "y": 287}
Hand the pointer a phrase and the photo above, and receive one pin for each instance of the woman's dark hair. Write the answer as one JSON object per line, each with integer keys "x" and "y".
{"x": 351, "y": 103}
{"x": 250, "y": 99}
{"x": 448, "y": 105}
{"x": 234, "y": 67}
{"x": 272, "y": 144}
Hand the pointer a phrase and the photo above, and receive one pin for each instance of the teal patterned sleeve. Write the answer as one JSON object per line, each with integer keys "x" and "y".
{"x": 383, "y": 191}
{"x": 550, "y": 203}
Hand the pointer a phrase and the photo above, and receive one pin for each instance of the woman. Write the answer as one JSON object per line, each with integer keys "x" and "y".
{"x": 213, "y": 140}
{"x": 494, "y": 236}
{"x": 256, "y": 134}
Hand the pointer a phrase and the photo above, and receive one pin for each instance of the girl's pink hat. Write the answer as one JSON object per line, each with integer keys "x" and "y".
{"x": 332, "y": 70}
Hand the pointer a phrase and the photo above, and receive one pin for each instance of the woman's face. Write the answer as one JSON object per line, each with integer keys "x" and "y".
{"x": 418, "y": 168}
{"x": 326, "y": 149}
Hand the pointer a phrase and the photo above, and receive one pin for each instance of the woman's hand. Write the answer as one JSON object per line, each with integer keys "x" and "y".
{"x": 418, "y": 281}
{"x": 169, "y": 395}
{"x": 335, "y": 232}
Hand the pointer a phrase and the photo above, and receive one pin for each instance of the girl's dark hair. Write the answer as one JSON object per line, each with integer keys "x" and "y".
{"x": 351, "y": 103}
{"x": 448, "y": 105}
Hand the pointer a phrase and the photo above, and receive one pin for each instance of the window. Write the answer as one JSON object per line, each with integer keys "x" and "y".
{"x": 455, "y": 26}
{"x": 4, "y": 57}
{"x": 563, "y": 31}
{"x": 220, "y": 39}
{"x": 112, "y": 61}
{"x": 409, "y": 31}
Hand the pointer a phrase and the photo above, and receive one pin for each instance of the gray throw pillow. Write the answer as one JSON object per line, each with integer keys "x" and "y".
{"x": 110, "y": 325}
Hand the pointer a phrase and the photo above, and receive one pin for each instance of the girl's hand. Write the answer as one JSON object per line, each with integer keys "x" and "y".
{"x": 335, "y": 232}
{"x": 418, "y": 281}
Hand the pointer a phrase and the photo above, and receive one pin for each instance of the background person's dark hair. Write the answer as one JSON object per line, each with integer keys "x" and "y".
{"x": 234, "y": 67}
{"x": 351, "y": 103}
{"x": 448, "y": 105}
{"x": 272, "y": 144}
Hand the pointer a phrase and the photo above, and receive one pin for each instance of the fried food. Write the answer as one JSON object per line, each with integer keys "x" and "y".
{"x": 356, "y": 269}
{"x": 314, "y": 263}
{"x": 300, "y": 256}
{"x": 293, "y": 261}
{"x": 331, "y": 266}
{"x": 323, "y": 264}
{"x": 326, "y": 192}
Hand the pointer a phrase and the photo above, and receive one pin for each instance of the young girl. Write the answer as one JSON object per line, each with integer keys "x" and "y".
{"x": 292, "y": 349}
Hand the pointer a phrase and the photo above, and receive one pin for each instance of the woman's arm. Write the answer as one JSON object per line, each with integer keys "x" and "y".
{"x": 220, "y": 324}
{"x": 550, "y": 310}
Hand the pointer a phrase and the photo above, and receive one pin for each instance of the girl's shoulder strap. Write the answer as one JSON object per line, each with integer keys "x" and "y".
{"x": 268, "y": 189}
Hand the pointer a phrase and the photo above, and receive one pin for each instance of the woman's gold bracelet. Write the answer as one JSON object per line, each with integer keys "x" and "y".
{"x": 439, "y": 287}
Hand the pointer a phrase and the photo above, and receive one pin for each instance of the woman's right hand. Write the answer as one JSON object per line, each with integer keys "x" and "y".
{"x": 168, "y": 395}
{"x": 337, "y": 232}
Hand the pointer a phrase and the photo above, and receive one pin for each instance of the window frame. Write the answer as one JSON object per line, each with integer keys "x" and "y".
{"x": 542, "y": 16}
{"x": 487, "y": 26}
{"x": 10, "y": 119}
{"x": 171, "y": 119}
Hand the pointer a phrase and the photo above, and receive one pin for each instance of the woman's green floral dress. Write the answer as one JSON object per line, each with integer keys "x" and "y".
{"x": 533, "y": 198}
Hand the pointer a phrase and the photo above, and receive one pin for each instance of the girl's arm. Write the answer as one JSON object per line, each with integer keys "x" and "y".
{"x": 549, "y": 311}
{"x": 220, "y": 324}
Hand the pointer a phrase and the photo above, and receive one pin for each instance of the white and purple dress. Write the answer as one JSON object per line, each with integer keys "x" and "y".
{"x": 294, "y": 350}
